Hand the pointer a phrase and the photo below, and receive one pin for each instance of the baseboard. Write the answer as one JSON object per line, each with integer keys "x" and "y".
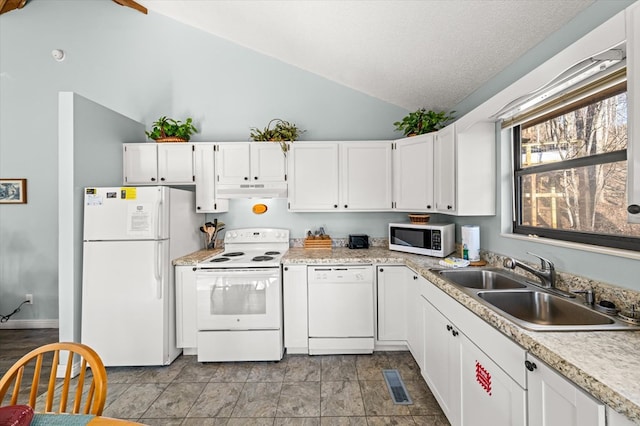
{"x": 18, "y": 324}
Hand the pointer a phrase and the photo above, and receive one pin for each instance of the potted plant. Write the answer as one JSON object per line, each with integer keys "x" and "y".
{"x": 170, "y": 130}
{"x": 423, "y": 121}
{"x": 281, "y": 132}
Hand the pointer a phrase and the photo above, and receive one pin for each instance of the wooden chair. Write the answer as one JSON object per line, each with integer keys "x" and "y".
{"x": 94, "y": 384}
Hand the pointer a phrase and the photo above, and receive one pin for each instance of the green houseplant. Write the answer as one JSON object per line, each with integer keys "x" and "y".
{"x": 281, "y": 132}
{"x": 423, "y": 121}
{"x": 170, "y": 130}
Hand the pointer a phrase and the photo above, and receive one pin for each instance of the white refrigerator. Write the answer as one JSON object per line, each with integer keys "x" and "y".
{"x": 131, "y": 235}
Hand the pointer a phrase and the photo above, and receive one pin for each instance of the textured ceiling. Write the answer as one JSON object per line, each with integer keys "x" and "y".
{"x": 420, "y": 53}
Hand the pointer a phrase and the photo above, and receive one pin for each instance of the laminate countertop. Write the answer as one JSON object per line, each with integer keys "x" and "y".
{"x": 606, "y": 364}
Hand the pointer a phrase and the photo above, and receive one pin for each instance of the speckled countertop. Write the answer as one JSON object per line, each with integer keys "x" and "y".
{"x": 604, "y": 363}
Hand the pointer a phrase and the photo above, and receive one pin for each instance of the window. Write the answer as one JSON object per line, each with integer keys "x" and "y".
{"x": 570, "y": 172}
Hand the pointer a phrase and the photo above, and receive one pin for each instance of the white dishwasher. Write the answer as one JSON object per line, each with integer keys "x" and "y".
{"x": 341, "y": 309}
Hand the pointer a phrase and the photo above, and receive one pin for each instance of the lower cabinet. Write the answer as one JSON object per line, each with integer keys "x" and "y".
{"x": 554, "y": 400}
{"x": 294, "y": 294}
{"x": 392, "y": 303}
{"x": 186, "y": 314}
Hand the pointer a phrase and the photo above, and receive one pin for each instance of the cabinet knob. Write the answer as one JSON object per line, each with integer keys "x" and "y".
{"x": 153, "y": 179}
{"x": 345, "y": 206}
{"x": 429, "y": 206}
{"x": 449, "y": 327}
{"x": 335, "y": 206}
{"x": 415, "y": 277}
{"x": 286, "y": 268}
{"x": 449, "y": 207}
{"x": 246, "y": 178}
{"x": 381, "y": 270}
{"x": 530, "y": 365}
{"x": 255, "y": 178}
{"x": 454, "y": 332}
{"x": 198, "y": 208}
{"x": 162, "y": 179}
{"x": 633, "y": 209}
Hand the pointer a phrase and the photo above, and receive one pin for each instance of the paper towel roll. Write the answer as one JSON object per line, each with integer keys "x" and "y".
{"x": 471, "y": 242}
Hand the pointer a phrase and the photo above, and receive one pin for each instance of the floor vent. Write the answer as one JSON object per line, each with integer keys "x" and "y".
{"x": 396, "y": 387}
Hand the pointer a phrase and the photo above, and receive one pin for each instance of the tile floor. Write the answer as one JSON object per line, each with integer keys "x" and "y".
{"x": 299, "y": 390}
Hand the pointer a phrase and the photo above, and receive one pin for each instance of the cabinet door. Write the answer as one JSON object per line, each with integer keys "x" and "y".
{"x": 413, "y": 173}
{"x": 204, "y": 170}
{"x": 415, "y": 320}
{"x": 313, "y": 176}
{"x": 175, "y": 163}
{"x": 366, "y": 175}
{"x": 442, "y": 361}
{"x": 232, "y": 163}
{"x": 487, "y": 391}
{"x": 268, "y": 162}
{"x": 186, "y": 301}
{"x": 555, "y": 401}
{"x": 392, "y": 302}
{"x": 140, "y": 162}
{"x": 294, "y": 293}
{"x": 633, "y": 108}
{"x": 445, "y": 169}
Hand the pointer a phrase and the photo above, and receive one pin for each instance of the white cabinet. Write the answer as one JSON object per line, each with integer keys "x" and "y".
{"x": 392, "y": 302}
{"x": 294, "y": 293}
{"x": 441, "y": 368}
{"x": 413, "y": 173}
{"x": 554, "y": 400}
{"x": 464, "y": 170}
{"x": 250, "y": 162}
{"x": 158, "y": 164}
{"x": 340, "y": 176}
{"x": 487, "y": 391}
{"x": 366, "y": 176}
{"x": 633, "y": 109}
{"x": 205, "y": 177}
{"x": 473, "y": 370}
{"x": 415, "y": 316}
{"x": 313, "y": 176}
{"x": 186, "y": 316}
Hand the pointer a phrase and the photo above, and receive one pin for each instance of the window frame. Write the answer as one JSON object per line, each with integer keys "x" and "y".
{"x": 605, "y": 240}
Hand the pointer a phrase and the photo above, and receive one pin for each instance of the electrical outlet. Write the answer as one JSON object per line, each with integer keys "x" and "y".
{"x": 29, "y": 298}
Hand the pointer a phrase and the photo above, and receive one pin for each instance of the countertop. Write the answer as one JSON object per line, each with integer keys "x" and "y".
{"x": 604, "y": 363}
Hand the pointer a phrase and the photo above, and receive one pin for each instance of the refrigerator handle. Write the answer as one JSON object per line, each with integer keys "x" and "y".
{"x": 158, "y": 270}
{"x": 159, "y": 217}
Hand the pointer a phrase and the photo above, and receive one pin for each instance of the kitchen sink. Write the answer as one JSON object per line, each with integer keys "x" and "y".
{"x": 543, "y": 309}
{"x": 486, "y": 279}
{"x": 528, "y": 305}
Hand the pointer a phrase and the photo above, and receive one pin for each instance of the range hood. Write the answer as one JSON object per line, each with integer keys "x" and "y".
{"x": 252, "y": 190}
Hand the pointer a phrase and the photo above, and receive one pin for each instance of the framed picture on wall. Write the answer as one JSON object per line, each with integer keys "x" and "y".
{"x": 13, "y": 191}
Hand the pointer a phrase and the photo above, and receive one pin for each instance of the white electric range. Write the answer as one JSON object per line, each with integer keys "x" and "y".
{"x": 239, "y": 304}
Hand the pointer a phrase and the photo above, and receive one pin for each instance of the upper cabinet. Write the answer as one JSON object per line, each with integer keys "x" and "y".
{"x": 465, "y": 170}
{"x": 633, "y": 106}
{"x": 340, "y": 176}
{"x": 413, "y": 173}
{"x": 158, "y": 164}
{"x": 205, "y": 177}
{"x": 247, "y": 169}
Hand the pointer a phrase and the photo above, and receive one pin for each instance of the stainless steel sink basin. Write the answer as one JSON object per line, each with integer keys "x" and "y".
{"x": 543, "y": 309}
{"x": 528, "y": 305}
{"x": 486, "y": 279}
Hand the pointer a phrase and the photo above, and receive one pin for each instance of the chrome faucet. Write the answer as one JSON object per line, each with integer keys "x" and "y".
{"x": 546, "y": 274}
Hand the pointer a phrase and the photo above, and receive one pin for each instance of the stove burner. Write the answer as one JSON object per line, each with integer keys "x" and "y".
{"x": 233, "y": 254}
{"x": 272, "y": 253}
{"x": 219, "y": 259}
{"x": 262, "y": 258}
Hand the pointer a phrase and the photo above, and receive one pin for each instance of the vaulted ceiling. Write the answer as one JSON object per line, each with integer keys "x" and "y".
{"x": 410, "y": 53}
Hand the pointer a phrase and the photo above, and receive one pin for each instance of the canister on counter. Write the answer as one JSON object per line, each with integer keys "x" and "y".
{"x": 471, "y": 242}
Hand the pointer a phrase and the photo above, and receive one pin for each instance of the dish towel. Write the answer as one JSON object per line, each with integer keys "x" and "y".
{"x": 454, "y": 262}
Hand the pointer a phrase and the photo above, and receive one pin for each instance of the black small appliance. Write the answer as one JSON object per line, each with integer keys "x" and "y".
{"x": 358, "y": 241}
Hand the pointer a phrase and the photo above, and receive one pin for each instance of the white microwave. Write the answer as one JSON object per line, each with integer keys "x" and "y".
{"x": 430, "y": 239}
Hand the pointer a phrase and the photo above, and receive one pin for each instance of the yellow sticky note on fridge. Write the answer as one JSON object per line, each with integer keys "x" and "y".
{"x": 128, "y": 193}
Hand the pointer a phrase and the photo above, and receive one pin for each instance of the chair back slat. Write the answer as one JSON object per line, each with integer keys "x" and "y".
{"x": 11, "y": 384}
